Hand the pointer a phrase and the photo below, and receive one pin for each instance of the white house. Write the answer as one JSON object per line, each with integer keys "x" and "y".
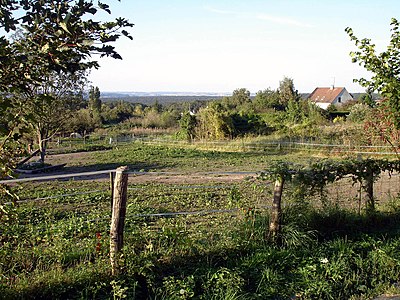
{"x": 323, "y": 97}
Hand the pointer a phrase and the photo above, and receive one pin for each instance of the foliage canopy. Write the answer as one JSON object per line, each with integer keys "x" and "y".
{"x": 385, "y": 67}
{"x": 59, "y": 37}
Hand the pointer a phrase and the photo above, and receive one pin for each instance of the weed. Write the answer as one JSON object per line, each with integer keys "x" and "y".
{"x": 118, "y": 289}
{"x": 174, "y": 288}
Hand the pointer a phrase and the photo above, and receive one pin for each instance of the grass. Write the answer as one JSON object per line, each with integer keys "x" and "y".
{"x": 180, "y": 158}
{"x": 57, "y": 248}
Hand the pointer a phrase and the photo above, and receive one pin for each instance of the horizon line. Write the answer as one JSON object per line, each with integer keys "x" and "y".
{"x": 188, "y": 93}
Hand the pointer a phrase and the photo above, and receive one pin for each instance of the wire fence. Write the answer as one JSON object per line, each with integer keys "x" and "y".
{"x": 75, "y": 214}
{"x": 387, "y": 186}
{"x": 109, "y": 141}
{"x": 280, "y": 145}
{"x": 53, "y": 197}
{"x": 72, "y": 200}
{"x": 174, "y": 200}
{"x": 348, "y": 194}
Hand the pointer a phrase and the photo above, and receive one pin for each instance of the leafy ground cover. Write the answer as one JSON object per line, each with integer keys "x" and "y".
{"x": 145, "y": 157}
{"x": 56, "y": 246}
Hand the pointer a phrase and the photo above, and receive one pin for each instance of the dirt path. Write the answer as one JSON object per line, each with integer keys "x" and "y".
{"x": 83, "y": 162}
{"x": 193, "y": 178}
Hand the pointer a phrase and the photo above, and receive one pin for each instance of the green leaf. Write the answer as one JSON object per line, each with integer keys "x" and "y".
{"x": 45, "y": 48}
{"x": 104, "y": 7}
{"x": 64, "y": 26}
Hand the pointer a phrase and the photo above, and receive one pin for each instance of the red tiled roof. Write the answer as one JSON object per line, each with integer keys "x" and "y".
{"x": 325, "y": 95}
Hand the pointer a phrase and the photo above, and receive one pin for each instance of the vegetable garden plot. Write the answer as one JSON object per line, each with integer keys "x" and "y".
{"x": 65, "y": 224}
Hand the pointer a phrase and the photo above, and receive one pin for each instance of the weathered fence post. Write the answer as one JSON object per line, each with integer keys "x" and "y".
{"x": 276, "y": 211}
{"x": 112, "y": 188}
{"x": 360, "y": 194}
{"x": 118, "y": 217}
{"x": 369, "y": 189}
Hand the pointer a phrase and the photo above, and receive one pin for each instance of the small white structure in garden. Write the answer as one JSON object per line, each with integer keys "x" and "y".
{"x": 75, "y": 135}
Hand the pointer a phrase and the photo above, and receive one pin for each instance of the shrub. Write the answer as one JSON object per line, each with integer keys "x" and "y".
{"x": 359, "y": 112}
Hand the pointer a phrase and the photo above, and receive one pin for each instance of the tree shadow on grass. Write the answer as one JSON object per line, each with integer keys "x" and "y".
{"x": 333, "y": 223}
{"x": 87, "y": 286}
{"x": 365, "y": 231}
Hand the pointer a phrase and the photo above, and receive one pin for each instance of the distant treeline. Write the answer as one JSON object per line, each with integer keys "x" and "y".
{"x": 150, "y": 100}
{"x": 162, "y": 99}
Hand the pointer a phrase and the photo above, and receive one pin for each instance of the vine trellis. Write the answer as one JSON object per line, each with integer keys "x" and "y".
{"x": 312, "y": 179}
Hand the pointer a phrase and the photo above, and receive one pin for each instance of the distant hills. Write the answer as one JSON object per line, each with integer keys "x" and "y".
{"x": 149, "y": 98}
{"x": 161, "y": 94}
{"x": 161, "y": 97}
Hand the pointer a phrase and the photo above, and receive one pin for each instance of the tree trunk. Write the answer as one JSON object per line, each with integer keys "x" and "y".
{"x": 275, "y": 221}
{"x": 42, "y": 148}
{"x": 42, "y": 137}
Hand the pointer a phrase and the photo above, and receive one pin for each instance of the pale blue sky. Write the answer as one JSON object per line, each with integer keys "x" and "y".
{"x": 218, "y": 46}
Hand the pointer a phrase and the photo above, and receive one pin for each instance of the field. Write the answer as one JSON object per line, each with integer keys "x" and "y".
{"x": 195, "y": 230}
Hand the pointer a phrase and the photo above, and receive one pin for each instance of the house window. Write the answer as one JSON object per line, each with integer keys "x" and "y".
{"x": 339, "y": 100}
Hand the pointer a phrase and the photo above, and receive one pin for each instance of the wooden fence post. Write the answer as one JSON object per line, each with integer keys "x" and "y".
{"x": 369, "y": 189}
{"x": 112, "y": 175}
{"x": 118, "y": 217}
{"x": 276, "y": 211}
{"x": 360, "y": 193}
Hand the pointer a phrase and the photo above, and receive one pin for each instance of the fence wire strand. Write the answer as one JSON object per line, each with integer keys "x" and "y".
{"x": 55, "y": 197}
{"x": 336, "y": 194}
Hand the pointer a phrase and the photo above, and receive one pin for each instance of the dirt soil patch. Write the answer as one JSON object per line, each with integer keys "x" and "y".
{"x": 83, "y": 162}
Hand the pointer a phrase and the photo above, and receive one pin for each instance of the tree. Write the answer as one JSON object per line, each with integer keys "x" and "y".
{"x": 287, "y": 92}
{"x": 214, "y": 122}
{"x": 63, "y": 34}
{"x": 249, "y": 123}
{"x": 82, "y": 122}
{"x": 188, "y": 125}
{"x": 359, "y": 112}
{"x": 367, "y": 98}
{"x": 94, "y": 100}
{"x": 385, "y": 69}
{"x": 60, "y": 38}
{"x": 240, "y": 98}
{"x": 293, "y": 111}
{"x": 94, "y": 105}
{"x": 156, "y": 107}
{"x": 266, "y": 99}
{"x": 48, "y": 106}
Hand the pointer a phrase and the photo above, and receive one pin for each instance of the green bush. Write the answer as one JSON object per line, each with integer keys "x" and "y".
{"x": 359, "y": 112}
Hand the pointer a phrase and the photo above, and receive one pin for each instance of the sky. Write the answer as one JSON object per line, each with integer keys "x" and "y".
{"x": 221, "y": 45}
